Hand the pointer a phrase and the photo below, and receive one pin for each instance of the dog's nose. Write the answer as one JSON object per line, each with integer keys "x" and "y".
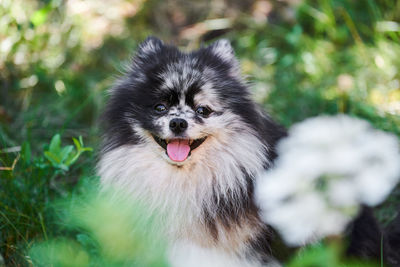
{"x": 178, "y": 125}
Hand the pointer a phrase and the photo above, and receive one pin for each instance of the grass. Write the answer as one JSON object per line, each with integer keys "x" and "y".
{"x": 329, "y": 57}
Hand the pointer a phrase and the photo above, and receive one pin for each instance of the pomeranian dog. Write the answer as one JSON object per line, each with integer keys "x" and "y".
{"x": 184, "y": 136}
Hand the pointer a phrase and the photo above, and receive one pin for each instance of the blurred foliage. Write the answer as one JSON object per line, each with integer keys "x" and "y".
{"x": 108, "y": 230}
{"x": 57, "y": 58}
{"x": 325, "y": 254}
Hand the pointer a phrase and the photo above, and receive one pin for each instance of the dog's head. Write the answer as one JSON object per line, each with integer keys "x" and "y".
{"x": 182, "y": 103}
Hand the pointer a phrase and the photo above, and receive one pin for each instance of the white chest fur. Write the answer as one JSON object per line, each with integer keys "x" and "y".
{"x": 180, "y": 194}
{"x": 184, "y": 254}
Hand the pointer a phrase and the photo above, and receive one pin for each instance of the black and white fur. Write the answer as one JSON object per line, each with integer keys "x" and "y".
{"x": 205, "y": 201}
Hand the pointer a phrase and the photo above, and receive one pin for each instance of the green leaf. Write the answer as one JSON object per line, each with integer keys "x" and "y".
{"x": 55, "y": 144}
{"x": 315, "y": 255}
{"x": 26, "y": 152}
{"x": 70, "y": 159}
{"x": 77, "y": 143}
{"x": 325, "y": 255}
{"x": 81, "y": 140}
{"x": 53, "y": 158}
{"x": 40, "y": 16}
{"x": 65, "y": 152}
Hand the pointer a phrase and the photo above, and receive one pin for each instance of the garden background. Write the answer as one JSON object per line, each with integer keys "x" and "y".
{"x": 58, "y": 58}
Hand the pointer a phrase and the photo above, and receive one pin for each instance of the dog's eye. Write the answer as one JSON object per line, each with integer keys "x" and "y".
{"x": 203, "y": 111}
{"x": 160, "y": 108}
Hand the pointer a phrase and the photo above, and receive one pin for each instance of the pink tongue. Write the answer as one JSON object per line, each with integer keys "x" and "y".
{"x": 178, "y": 150}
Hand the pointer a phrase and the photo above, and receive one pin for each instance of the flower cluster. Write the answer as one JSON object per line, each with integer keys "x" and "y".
{"x": 327, "y": 168}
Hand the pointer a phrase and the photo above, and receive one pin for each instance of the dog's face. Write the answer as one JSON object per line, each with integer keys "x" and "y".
{"x": 180, "y": 102}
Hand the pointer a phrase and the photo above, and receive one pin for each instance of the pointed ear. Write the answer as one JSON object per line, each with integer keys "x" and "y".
{"x": 145, "y": 53}
{"x": 150, "y": 45}
{"x": 223, "y": 49}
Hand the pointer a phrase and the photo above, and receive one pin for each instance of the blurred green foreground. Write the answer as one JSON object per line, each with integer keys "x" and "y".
{"x": 58, "y": 58}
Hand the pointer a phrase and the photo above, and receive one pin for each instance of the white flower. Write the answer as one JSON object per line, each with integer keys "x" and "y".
{"x": 327, "y": 167}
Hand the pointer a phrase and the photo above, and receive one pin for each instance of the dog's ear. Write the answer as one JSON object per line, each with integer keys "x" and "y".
{"x": 224, "y": 51}
{"x": 151, "y": 45}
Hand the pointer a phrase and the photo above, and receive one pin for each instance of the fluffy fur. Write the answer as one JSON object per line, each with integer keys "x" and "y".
{"x": 206, "y": 200}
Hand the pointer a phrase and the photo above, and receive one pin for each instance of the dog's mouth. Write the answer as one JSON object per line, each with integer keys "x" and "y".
{"x": 179, "y": 150}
